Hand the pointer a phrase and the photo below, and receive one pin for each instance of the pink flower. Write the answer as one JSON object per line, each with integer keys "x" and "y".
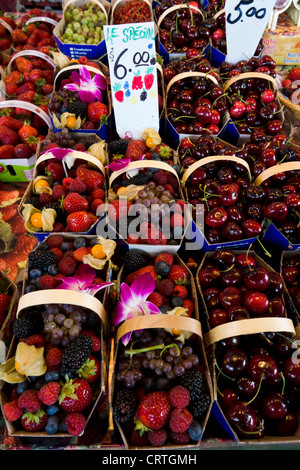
{"x": 88, "y": 88}
{"x": 82, "y": 280}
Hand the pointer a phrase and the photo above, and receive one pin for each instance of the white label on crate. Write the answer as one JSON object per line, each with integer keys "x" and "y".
{"x": 246, "y": 21}
{"x": 132, "y": 65}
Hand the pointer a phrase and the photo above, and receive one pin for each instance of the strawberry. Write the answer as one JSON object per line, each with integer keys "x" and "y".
{"x": 96, "y": 110}
{"x": 5, "y": 43}
{"x": 8, "y": 212}
{"x": 11, "y": 122}
{"x": 294, "y": 74}
{"x": 147, "y": 269}
{"x": 27, "y": 96}
{"x": 26, "y": 132}
{"x": 118, "y": 93}
{"x": 164, "y": 151}
{"x": 17, "y": 225}
{"x": 7, "y": 151}
{"x": 8, "y": 136}
{"x": 75, "y": 202}
{"x": 81, "y": 252}
{"x": 13, "y": 77}
{"x": 179, "y": 274}
{"x": 90, "y": 370}
{"x": 91, "y": 178}
{"x": 79, "y": 221}
{"x": 76, "y": 395}
{"x": 19, "y": 37}
{"x": 153, "y": 411}
{"x": 56, "y": 170}
{"x": 22, "y": 151}
{"x": 118, "y": 209}
{"x": 8, "y": 193}
{"x": 36, "y": 74}
{"x": 149, "y": 78}
{"x": 23, "y": 64}
{"x": 11, "y": 89}
{"x": 166, "y": 257}
{"x": 134, "y": 151}
{"x": 26, "y": 87}
{"x": 189, "y": 305}
{"x": 34, "y": 421}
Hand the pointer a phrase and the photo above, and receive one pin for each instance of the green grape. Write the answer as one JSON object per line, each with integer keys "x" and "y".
{"x": 80, "y": 39}
{"x": 75, "y": 11}
{"x": 91, "y": 25}
{"x": 90, "y": 41}
{"x": 94, "y": 18}
{"x": 84, "y": 21}
{"x": 76, "y": 26}
{"x": 68, "y": 15}
{"x": 69, "y": 32}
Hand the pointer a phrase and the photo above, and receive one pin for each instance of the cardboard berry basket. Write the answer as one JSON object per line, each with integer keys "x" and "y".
{"x": 13, "y": 292}
{"x": 37, "y": 300}
{"x": 198, "y": 231}
{"x": 250, "y": 255}
{"x": 150, "y": 322}
{"x": 10, "y": 67}
{"x": 171, "y": 56}
{"x": 294, "y": 311}
{"x": 104, "y": 130}
{"x": 21, "y": 169}
{"x": 272, "y": 234}
{"x": 67, "y": 161}
{"x": 74, "y": 50}
{"x": 172, "y": 135}
{"x": 117, "y": 3}
{"x": 230, "y": 132}
{"x": 9, "y": 50}
{"x": 151, "y": 248}
{"x": 218, "y": 342}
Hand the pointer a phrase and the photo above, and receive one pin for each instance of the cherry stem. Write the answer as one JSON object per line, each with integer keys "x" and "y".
{"x": 221, "y": 372}
{"x": 265, "y": 250}
{"x": 258, "y": 389}
{"x": 131, "y": 351}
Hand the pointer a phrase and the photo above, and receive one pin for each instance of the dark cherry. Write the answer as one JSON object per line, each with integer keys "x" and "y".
{"x": 257, "y": 279}
{"x": 256, "y": 303}
{"x": 288, "y": 425}
{"x": 232, "y": 231}
{"x": 218, "y": 316}
{"x": 244, "y": 260}
{"x": 216, "y": 218}
{"x": 263, "y": 367}
{"x": 232, "y": 277}
{"x": 276, "y": 307}
{"x": 247, "y": 386}
{"x": 274, "y": 405}
{"x": 237, "y": 313}
{"x": 234, "y": 362}
{"x": 230, "y": 296}
{"x": 228, "y": 397}
{"x": 242, "y": 417}
{"x": 251, "y": 228}
{"x": 291, "y": 369}
{"x": 211, "y": 297}
{"x": 224, "y": 257}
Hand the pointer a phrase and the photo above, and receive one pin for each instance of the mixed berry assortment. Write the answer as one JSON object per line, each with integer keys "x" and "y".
{"x": 290, "y": 85}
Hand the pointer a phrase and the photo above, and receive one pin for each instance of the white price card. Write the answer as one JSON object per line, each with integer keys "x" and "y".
{"x": 246, "y": 21}
{"x": 132, "y": 66}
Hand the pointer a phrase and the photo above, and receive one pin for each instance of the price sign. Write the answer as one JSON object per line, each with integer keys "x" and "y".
{"x": 132, "y": 66}
{"x": 246, "y": 21}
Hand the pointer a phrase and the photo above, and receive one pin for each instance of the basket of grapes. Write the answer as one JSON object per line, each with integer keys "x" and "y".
{"x": 158, "y": 361}
{"x": 80, "y": 31}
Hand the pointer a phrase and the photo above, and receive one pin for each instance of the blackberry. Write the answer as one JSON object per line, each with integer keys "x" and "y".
{"x": 125, "y": 405}
{"x": 192, "y": 379}
{"x": 56, "y": 205}
{"x": 75, "y": 355}
{"x": 41, "y": 259}
{"x": 34, "y": 201}
{"x": 134, "y": 261}
{"x": 118, "y": 147}
{"x": 28, "y": 323}
{"x": 143, "y": 96}
{"x": 139, "y": 179}
{"x": 79, "y": 108}
{"x": 200, "y": 405}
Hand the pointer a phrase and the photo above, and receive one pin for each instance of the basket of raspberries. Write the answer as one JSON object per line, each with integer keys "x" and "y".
{"x": 158, "y": 358}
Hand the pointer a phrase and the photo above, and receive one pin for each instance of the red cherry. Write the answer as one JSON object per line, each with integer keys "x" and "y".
{"x": 267, "y": 96}
{"x": 237, "y": 109}
{"x": 256, "y": 302}
{"x": 216, "y": 217}
{"x": 263, "y": 367}
{"x": 274, "y": 405}
{"x": 203, "y": 114}
{"x": 218, "y": 34}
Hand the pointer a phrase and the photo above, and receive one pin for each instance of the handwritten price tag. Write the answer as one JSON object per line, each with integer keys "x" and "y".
{"x": 132, "y": 67}
{"x": 246, "y": 21}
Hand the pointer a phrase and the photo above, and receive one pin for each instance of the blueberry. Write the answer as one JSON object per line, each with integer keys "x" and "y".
{"x": 52, "y": 425}
{"x": 177, "y": 168}
{"x": 94, "y": 241}
{"x": 195, "y": 431}
{"x": 22, "y": 386}
{"x": 35, "y": 272}
{"x": 176, "y": 301}
{"x": 53, "y": 269}
{"x": 162, "y": 268}
{"x": 62, "y": 426}
{"x": 52, "y": 409}
{"x": 79, "y": 242}
{"x": 65, "y": 246}
{"x": 30, "y": 288}
{"x": 164, "y": 308}
{"x": 39, "y": 383}
{"x": 52, "y": 375}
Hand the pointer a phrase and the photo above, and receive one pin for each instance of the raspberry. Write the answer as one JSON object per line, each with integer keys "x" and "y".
{"x": 98, "y": 194}
{"x": 180, "y": 419}
{"x": 160, "y": 178}
{"x": 53, "y": 357}
{"x": 48, "y": 282}
{"x": 157, "y": 438}
{"x": 81, "y": 252}
{"x": 138, "y": 440}
{"x": 67, "y": 181}
{"x": 54, "y": 241}
{"x": 166, "y": 257}
{"x": 155, "y": 298}
{"x": 37, "y": 340}
{"x": 189, "y": 305}
{"x": 179, "y": 438}
{"x": 75, "y": 423}
{"x": 58, "y": 192}
{"x": 12, "y": 411}
{"x": 57, "y": 251}
{"x": 172, "y": 180}
{"x": 29, "y": 400}
{"x": 44, "y": 199}
{"x": 67, "y": 265}
{"x": 180, "y": 291}
{"x": 179, "y": 396}
{"x": 165, "y": 287}
{"x": 49, "y": 393}
{"x": 77, "y": 186}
